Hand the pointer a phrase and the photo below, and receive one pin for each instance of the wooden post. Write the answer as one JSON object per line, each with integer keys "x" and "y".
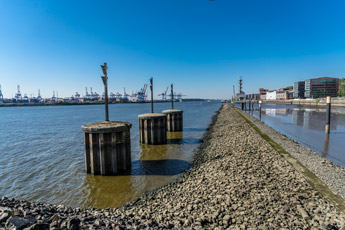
{"x": 153, "y": 128}
{"x": 107, "y": 147}
{"x": 174, "y": 120}
{"x": 326, "y": 145}
{"x": 328, "y": 115}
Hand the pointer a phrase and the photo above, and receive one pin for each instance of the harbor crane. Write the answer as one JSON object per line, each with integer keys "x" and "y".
{"x": 1, "y": 95}
{"x": 125, "y": 95}
{"x": 142, "y": 94}
{"x": 164, "y": 94}
{"x": 18, "y": 94}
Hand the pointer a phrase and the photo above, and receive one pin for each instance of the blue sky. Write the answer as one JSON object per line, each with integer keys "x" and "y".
{"x": 201, "y": 46}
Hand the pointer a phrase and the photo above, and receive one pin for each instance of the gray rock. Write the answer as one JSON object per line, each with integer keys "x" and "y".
{"x": 16, "y": 222}
{"x": 38, "y": 227}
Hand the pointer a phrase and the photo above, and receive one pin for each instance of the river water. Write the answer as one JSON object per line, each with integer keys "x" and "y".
{"x": 306, "y": 125}
{"x": 42, "y": 153}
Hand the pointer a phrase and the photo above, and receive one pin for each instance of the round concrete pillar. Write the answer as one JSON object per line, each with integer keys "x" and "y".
{"x": 107, "y": 147}
{"x": 153, "y": 128}
{"x": 174, "y": 120}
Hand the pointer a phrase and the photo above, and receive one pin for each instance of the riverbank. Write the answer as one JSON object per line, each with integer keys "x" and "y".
{"x": 237, "y": 180}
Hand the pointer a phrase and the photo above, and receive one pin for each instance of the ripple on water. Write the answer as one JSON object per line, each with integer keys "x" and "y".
{"x": 42, "y": 153}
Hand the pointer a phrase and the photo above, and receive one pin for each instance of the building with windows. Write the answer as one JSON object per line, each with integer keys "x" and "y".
{"x": 271, "y": 95}
{"x": 284, "y": 95}
{"x": 321, "y": 87}
{"x": 298, "y": 89}
{"x": 262, "y": 93}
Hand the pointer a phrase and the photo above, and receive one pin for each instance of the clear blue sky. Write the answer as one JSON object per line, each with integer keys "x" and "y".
{"x": 201, "y": 46}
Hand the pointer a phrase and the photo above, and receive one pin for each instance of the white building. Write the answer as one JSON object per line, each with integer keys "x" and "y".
{"x": 271, "y": 95}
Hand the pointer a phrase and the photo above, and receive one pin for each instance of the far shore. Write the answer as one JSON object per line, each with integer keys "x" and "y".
{"x": 87, "y": 103}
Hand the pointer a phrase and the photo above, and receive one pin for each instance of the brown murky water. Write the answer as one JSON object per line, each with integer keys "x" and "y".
{"x": 42, "y": 155}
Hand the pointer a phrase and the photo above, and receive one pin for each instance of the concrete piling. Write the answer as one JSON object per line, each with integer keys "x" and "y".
{"x": 153, "y": 128}
{"x": 107, "y": 147}
{"x": 174, "y": 120}
{"x": 328, "y": 115}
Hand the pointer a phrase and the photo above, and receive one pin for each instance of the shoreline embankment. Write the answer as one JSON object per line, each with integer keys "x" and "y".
{"x": 237, "y": 181}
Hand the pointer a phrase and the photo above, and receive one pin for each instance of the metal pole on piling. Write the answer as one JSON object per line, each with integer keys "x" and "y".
{"x": 172, "y": 96}
{"x": 151, "y": 87}
{"x": 105, "y": 82}
{"x": 328, "y": 115}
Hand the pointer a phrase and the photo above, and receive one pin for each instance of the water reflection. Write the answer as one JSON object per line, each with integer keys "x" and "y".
{"x": 156, "y": 166}
{"x": 307, "y": 126}
{"x": 308, "y": 118}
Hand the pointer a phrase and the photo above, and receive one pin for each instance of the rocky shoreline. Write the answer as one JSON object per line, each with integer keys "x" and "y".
{"x": 237, "y": 181}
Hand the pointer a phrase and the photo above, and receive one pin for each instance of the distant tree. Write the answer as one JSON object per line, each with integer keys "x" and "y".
{"x": 289, "y": 88}
{"x": 341, "y": 91}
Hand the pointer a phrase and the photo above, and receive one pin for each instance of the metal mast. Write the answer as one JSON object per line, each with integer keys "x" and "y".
{"x": 172, "y": 96}
{"x": 151, "y": 87}
{"x": 105, "y": 82}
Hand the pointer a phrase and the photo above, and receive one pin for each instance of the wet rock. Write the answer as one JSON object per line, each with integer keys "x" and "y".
{"x": 16, "y": 222}
{"x": 38, "y": 227}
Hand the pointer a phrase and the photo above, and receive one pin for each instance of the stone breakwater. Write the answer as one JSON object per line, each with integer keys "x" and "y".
{"x": 237, "y": 181}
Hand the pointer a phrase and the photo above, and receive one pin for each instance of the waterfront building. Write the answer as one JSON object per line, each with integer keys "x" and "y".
{"x": 284, "y": 94}
{"x": 262, "y": 92}
{"x": 298, "y": 89}
{"x": 321, "y": 87}
{"x": 271, "y": 95}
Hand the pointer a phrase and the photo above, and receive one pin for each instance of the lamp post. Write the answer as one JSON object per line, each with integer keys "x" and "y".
{"x": 105, "y": 82}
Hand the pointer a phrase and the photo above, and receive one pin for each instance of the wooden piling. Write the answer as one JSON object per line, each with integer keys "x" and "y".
{"x": 153, "y": 128}
{"x": 107, "y": 147}
{"x": 328, "y": 114}
{"x": 174, "y": 120}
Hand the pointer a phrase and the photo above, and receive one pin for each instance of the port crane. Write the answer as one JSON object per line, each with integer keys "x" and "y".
{"x": 142, "y": 93}
{"x": 164, "y": 94}
{"x": 178, "y": 96}
{"x": 18, "y": 94}
{"x": 1, "y": 95}
{"x": 125, "y": 95}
